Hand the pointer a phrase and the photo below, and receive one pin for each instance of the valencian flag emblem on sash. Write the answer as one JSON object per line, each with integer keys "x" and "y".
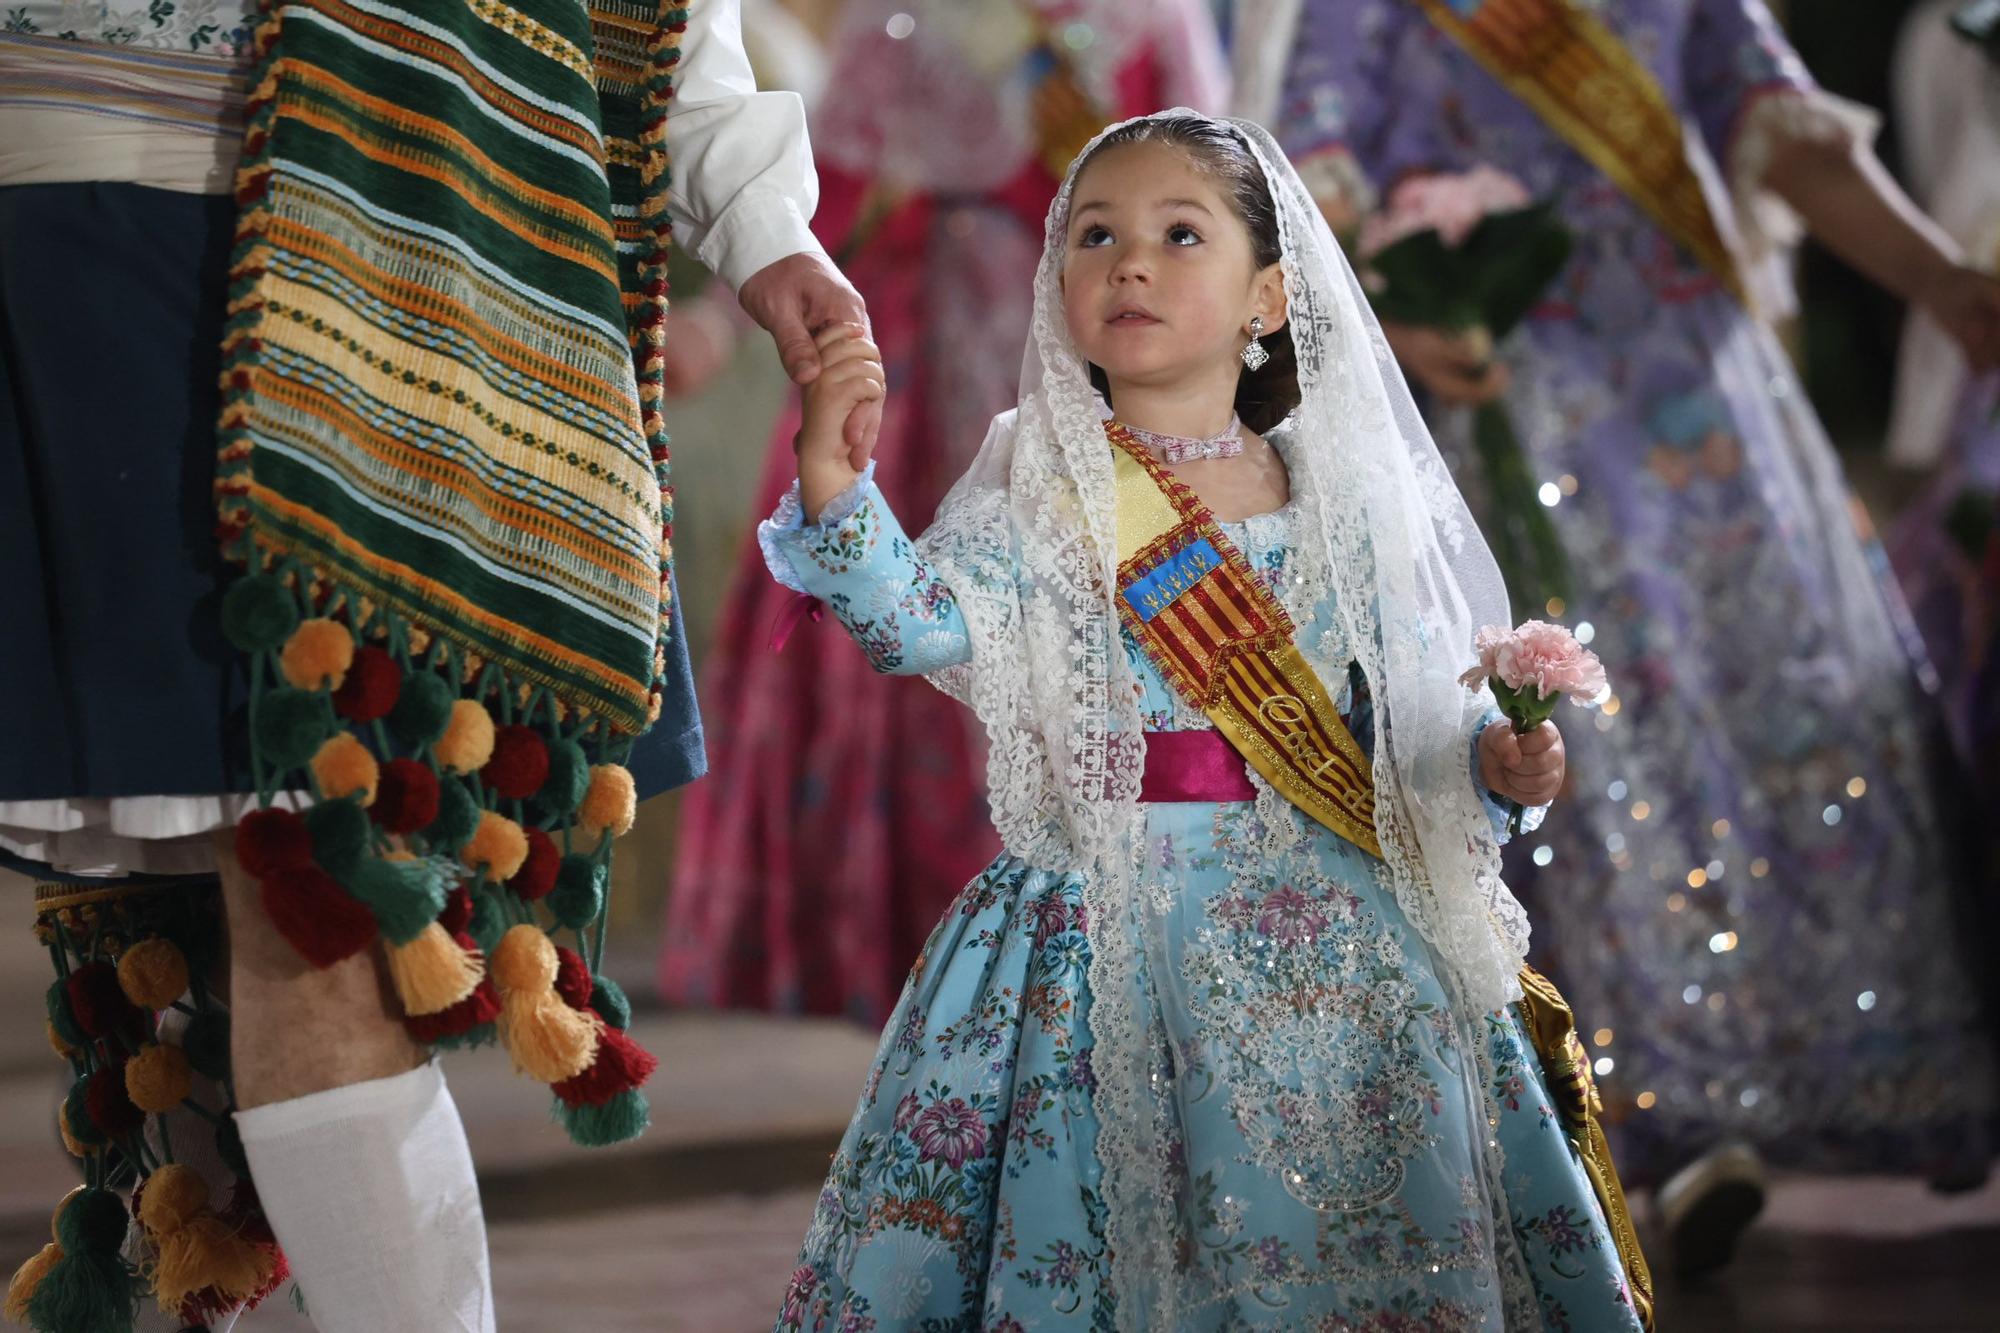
{"x": 1216, "y": 631}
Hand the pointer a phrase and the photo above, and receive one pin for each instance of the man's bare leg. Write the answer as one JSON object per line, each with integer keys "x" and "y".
{"x": 357, "y": 1152}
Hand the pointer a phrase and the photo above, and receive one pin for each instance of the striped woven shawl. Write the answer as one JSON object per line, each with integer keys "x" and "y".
{"x": 442, "y": 389}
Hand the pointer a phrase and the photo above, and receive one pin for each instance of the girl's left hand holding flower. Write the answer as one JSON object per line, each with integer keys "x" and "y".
{"x": 1526, "y": 768}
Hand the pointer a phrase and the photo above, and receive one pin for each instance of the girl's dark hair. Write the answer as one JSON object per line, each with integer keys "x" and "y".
{"x": 1263, "y": 397}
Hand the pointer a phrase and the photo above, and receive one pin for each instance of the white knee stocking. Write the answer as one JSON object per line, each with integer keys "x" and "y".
{"x": 371, "y": 1192}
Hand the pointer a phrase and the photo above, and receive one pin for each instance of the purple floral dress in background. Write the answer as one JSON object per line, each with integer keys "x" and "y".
{"x": 1751, "y": 887}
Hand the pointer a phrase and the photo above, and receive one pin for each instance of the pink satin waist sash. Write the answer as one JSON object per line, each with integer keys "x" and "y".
{"x": 1194, "y": 766}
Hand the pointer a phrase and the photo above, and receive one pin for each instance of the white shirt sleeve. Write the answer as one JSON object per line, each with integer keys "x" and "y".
{"x": 744, "y": 189}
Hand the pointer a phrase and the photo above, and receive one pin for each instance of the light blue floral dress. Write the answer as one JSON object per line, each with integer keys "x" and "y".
{"x": 965, "y": 1195}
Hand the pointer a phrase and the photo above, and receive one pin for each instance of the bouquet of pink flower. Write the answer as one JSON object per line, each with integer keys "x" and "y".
{"x": 1469, "y": 253}
{"x": 1530, "y": 669}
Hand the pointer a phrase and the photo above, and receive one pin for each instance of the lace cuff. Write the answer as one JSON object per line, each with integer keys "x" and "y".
{"x": 1767, "y": 225}
{"x": 786, "y": 530}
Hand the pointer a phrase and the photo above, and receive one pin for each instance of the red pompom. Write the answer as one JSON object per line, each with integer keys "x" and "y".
{"x": 537, "y": 874}
{"x": 572, "y": 978}
{"x": 520, "y": 763}
{"x": 621, "y": 1065}
{"x": 406, "y": 796}
{"x": 482, "y": 1006}
{"x": 322, "y": 920}
{"x": 373, "y": 683}
{"x": 110, "y": 1109}
{"x": 269, "y": 842}
{"x": 457, "y": 914}
{"x": 99, "y": 1003}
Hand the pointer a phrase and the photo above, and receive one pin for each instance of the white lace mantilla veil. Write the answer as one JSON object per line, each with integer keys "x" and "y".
{"x": 1026, "y": 542}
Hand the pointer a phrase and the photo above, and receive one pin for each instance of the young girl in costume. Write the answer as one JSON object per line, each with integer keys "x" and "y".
{"x": 1233, "y": 1034}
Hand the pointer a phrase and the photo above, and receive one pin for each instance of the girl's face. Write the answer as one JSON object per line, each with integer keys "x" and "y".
{"x": 1160, "y": 280}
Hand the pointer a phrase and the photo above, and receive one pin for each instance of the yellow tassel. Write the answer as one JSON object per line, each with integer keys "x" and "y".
{"x": 205, "y": 1253}
{"x": 547, "y": 1039}
{"x": 432, "y": 973}
{"x": 197, "y": 1249}
{"x": 26, "y": 1278}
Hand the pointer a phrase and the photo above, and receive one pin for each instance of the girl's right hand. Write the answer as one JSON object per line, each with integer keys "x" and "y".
{"x": 850, "y": 374}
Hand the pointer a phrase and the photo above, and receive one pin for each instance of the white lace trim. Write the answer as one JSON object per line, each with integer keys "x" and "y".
{"x": 787, "y": 526}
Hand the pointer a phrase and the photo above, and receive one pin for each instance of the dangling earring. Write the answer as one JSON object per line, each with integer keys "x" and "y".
{"x": 1254, "y": 355}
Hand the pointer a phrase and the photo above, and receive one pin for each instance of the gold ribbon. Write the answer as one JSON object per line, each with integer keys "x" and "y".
{"x": 1577, "y": 75}
{"x": 1219, "y": 636}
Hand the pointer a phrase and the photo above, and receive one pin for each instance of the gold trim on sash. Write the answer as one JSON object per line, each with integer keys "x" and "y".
{"x": 1219, "y": 636}
{"x": 1577, "y": 75}
{"x": 1566, "y": 1068}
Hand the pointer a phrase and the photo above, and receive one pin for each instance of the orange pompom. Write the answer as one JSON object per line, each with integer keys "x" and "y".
{"x": 158, "y": 1078}
{"x": 611, "y": 803}
{"x": 467, "y": 742}
{"x": 344, "y": 767}
{"x": 153, "y": 973}
{"x": 173, "y": 1196}
{"x": 317, "y": 655}
{"x": 497, "y": 849}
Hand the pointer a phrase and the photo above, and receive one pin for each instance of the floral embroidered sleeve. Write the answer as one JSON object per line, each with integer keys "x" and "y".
{"x": 858, "y": 561}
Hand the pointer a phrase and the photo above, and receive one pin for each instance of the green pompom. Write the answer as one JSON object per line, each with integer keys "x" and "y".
{"x": 489, "y": 921}
{"x": 61, "y": 1018}
{"x": 422, "y": 709}
{"x": 457, "y": 817}
{"x": 290, "y": 726}
{"x": 404, "y": 896}
{"x": 205, "y": 1043}
{"x": 607, "y": 997}
{"x": 568, "y": 780}
{"x": 92, "y": 1222}
{"x": 625, "y": 1116}
{"x": 579, "y": 892}
{"x": 76, "y": 1110}
{"x": 259, "y": 613}
{"x": 342, "y": 837}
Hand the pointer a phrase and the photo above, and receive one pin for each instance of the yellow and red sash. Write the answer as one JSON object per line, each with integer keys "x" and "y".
{"x": 1574, "y": 72}
{"x": 1219, "y": 636}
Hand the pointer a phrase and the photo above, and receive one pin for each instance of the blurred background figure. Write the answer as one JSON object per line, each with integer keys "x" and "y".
{"x": 1751, "y": 881}
{"x": 841, "y": 820}
{"x": 1946, "y": 420}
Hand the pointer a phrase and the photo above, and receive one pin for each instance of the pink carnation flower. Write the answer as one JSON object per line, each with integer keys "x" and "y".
{"x": 1541, "y": 655}
{"x": 1451, "y": 204}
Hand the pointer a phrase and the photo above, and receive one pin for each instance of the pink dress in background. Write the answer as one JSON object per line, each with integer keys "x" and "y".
{"x": 843, "y": 812}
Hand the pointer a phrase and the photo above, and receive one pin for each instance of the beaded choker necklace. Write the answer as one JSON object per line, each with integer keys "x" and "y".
{"x": 1226, "y": 443}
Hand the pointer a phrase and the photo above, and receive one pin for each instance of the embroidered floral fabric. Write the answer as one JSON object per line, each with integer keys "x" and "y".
{"x": 1421, "y": 1178}
{"x": 1751, "y": 885}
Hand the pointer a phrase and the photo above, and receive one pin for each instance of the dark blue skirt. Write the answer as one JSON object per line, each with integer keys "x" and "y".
{"x": 115, "y": 679}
